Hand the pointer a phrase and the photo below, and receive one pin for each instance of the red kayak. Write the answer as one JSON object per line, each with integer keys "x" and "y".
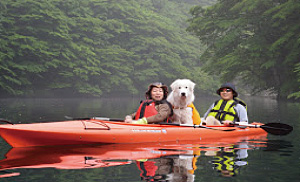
{"x": 93, "y": 131}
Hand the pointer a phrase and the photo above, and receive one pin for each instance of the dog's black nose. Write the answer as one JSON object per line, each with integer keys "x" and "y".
{"x": 182, "y": 94}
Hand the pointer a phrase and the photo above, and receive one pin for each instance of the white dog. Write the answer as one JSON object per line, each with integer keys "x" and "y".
{"x": 181, "y": 96}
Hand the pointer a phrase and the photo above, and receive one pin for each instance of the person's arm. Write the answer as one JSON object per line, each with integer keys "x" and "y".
{"x": 163, "y": 112}
{"x": 129, "y": 117}
{"x": 242, "y": 114}
{"x": 208, "y": 110}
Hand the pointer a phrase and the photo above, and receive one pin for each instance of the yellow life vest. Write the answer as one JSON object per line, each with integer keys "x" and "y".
{"x": 225, "y": 161}
{"x": 224, "y": 110}
{"x": 196, "y": 115}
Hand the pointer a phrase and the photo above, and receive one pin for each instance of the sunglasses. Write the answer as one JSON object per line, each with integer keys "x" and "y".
{"x": 226, "y": 90}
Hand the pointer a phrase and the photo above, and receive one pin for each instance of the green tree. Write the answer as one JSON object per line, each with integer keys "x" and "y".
{"x": 93, "y": 47}
{"x": 255, "y": 42}
{"x": 25, "y": 49}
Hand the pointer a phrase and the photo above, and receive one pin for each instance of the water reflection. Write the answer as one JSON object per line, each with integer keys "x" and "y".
{"x": 282, "y": 146}
{"x": 79, "y": 157}
{"x": 156, "y": 162}
{"x": 227, "y": 160}
{"x": 275, "y": 158}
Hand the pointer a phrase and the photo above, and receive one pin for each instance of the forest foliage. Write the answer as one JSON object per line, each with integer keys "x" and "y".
{"x": 256, "y": 42}
{"x": 97, "y": 47}
{"x": 92, "y": 47}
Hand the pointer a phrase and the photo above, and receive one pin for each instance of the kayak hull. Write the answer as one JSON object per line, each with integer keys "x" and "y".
{"x": 80, "y": 132}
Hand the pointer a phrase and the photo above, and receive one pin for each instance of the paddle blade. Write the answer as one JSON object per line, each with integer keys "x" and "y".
{"x": 277, "y": 128}
{"x": 5, "y": 121}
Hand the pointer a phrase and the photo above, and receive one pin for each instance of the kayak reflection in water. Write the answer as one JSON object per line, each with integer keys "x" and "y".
{"x": 174, "y": 168}
{"x": 228, "y": 160}
{"x": 155, "y": 108}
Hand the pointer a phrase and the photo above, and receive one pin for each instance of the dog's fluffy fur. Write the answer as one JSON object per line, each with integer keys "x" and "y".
{"x": 181, "y": 168}
{"x": 181, "y": 96}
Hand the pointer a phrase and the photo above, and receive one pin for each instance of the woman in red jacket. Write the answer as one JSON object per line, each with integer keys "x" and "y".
{"x": 155, "y": 109}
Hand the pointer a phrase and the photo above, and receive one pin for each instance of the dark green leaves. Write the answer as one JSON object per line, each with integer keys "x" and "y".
{"x": 255, "y": 42}
{"x": 93, "y": 47}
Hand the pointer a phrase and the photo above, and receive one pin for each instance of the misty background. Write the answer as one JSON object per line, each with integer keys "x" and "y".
{"x": 95, "y": 48}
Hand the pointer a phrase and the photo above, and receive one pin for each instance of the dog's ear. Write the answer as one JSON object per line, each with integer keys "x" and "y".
{"x": 192, "y": 85}
{"x": 170, "y": 98}
{"x": 173, "y": 85}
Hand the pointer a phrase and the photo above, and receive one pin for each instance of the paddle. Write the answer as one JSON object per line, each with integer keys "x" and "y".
{"x": 273, "y": 128}
{"x": 97, "y": 118}
{"x": 173, "y": 124}
{"x": 201, "y": 126}
{"x": 196, "y": 126}
{"x": 5, "y": 121}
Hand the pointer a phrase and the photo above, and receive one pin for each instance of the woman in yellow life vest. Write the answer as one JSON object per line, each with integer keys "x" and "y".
{"x": 227, "y": 110}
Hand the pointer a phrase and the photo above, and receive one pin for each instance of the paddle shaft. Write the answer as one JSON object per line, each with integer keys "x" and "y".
{"x": 108, "y": 119}
{"x": 272, "y": 128}
{"x": 96, "y": 118}
{"x": 5, "y": 121}
{"x": 200, "y": 126}
{"x": 173, "y": 124}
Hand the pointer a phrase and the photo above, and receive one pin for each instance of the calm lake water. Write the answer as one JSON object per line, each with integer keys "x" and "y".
{"x": 271, "y": 158}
